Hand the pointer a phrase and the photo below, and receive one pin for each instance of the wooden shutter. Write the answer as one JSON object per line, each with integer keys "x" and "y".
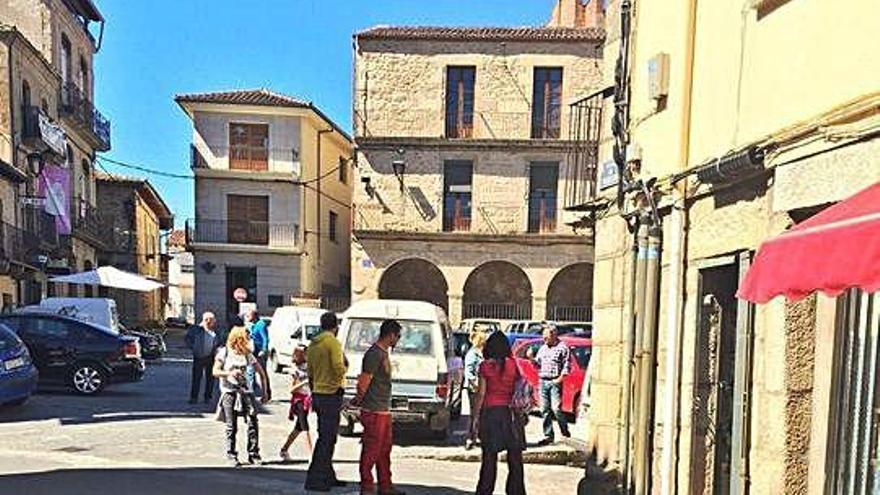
{"x": 248, "y": 147}
{"x": 248, "y": 219}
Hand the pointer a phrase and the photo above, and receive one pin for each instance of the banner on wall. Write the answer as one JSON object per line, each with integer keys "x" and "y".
{"x": 54, "y": 185}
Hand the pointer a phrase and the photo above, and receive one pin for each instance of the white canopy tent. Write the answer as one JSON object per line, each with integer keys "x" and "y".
{"x": 108, "y": 276}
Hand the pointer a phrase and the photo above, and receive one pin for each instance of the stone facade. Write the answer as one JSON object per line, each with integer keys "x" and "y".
{"x": 495, "y": 266}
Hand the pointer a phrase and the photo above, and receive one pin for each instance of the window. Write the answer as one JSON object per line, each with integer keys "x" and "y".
{"x": 415, "y": 336}
{"x": 276, "y": 300}
{"x": 247, "y": 219}
{"x": 343, "y": 170}
{"x": 249, "y": 147}
{"x": 543, "y": 180}
{"x": 68, "y": 157}
{"x": 85, "y": 180}
{"x": 26, "y": 103}
{"x": 457, "y": 181}
{"x": 47, "y": 328}
{"x": 460, "y": 101}
{"x": 547, "y": 103}
{"x": 84, "y": 76}
{"x": 332, "y": 229}
{"x": 66, "y": 62}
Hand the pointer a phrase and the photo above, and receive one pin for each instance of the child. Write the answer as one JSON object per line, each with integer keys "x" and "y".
{"x": 300, "y": 401}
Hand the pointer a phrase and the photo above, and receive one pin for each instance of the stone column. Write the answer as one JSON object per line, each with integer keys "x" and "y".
{"x": 455, "y": 308}
{"x": 539, "y": 307}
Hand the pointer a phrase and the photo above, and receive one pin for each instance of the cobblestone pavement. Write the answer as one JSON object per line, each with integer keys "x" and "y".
{"x": 145, "y": 438}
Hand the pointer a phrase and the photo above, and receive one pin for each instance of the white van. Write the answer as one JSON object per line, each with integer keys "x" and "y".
{"x": 421, "y": 381}
{"x": 291, "y": 326}
{"x": 98, "y": 311}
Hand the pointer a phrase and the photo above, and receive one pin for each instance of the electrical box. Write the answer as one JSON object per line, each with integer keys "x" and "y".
{"x": 658, "y": 76}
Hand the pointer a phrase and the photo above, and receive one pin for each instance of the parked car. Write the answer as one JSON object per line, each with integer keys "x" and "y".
{"x": 423, "y": 384}
{"x": 487, "y": 325}
{"x": 152, "y": 343}
{"x": 581, "y": 349}
{"x": 517, "y": 331}
{"x": 84, "y": 356}
{"x": 581, "y": 328}
{"x": 18, "y": 375}
{"x": 291, "y": 326}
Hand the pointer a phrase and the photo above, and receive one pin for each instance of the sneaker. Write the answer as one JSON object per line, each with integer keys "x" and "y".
{"x": 566, "y": 434}
{"x": 468, "y": 444}
{"x": 545, "y": 442}
{"x": 232, "y": 460}
{"x": 255, "y": 460}
{"x": 284, "y": 455}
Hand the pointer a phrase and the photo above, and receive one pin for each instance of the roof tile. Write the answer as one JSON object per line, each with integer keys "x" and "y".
{"x": 436, "y": 33}
{"x": 260, "y": 97}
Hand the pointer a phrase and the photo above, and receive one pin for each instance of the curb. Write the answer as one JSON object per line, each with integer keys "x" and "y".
{"x": 562, "y": 456}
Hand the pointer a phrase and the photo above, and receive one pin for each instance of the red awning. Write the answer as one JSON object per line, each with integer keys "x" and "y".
{"x": 836, "y": 250}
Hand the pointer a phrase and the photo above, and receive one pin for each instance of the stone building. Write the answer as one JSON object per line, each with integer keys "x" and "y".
{"x": 463, "y": 151}
{"x": 272, "y": 217}
{"x": 736, "y": 123}
{"x": 139, "y": 219}
{"x": 52, "y": 132}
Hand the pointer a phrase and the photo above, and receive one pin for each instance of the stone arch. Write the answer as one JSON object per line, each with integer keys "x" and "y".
{"x": 570, "y": 294}
{"x": 415, "y": 279}
{"x": 498, "y": 289}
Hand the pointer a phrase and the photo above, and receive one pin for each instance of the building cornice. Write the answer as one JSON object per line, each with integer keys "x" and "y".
{"x": 395, "y": 142}
{"x": 483, "y": 238}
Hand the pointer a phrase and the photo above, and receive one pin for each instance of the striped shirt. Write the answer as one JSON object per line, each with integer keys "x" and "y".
{"x": 554, "y": 361}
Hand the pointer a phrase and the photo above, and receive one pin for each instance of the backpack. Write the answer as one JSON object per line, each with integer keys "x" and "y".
{"x": 523, "y": 399}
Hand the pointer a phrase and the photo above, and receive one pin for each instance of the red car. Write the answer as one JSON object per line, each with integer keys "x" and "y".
{"x": 581, "y": 348}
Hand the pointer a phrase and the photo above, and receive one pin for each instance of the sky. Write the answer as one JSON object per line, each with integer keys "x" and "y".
{"x": 154, "y": 49}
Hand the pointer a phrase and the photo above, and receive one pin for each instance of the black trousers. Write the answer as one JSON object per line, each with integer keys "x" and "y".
{"x": 321, "y": 473}
{"x": 202, "y": 367}
{"x": 489, "y": 471}
{"x": 227, "y": 402}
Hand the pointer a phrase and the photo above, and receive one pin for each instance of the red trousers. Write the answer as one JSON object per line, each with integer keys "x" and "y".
{"x": 376, "y": 449}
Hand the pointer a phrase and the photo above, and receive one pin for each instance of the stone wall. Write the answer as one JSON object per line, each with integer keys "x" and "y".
{"x": 800, "y": 325}
{"x": 400, "y": 85}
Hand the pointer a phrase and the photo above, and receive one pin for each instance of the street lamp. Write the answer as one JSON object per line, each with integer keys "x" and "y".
{"x": 35, "y": 162}
{"x": 399, "y": 168}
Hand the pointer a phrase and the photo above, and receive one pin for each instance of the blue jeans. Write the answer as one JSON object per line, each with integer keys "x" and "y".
{"x": 551, "y": 407}
{"x": 321, "y": 473}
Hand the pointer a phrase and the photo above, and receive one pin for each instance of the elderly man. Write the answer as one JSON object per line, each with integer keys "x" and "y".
{"x": 203, "y": 341}
{"x": 553, "y": 360}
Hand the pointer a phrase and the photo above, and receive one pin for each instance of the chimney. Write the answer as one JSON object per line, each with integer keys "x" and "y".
{"x": 577, "y": 14}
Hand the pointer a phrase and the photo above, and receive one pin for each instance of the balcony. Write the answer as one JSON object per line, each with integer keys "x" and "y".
{"x": 41, "y": 230}
{"x": 41, "y": 133}
{"x": 76, "y": 106}
{"x": 89, "y": 225}
{"x": 243, "y": 234}
{"x": 584, "y": 134}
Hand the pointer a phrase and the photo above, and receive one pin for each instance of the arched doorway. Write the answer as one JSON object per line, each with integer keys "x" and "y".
{"x": 416, "y": 280}
{"x": 570, "y": 295}
{"x": 498, "y": 289}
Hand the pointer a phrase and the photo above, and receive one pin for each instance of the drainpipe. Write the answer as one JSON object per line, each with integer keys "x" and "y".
{"x": 645, "y": 410}
{"x": 675, "y": 294}
{"x": 625, "y": 433}
{"x": 639, "y": 439}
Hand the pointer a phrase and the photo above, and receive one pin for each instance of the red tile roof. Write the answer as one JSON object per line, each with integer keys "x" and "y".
{"x": 177, "y": 238}
{"x": 260, "y": 97}
{"x": 433, "y": 33}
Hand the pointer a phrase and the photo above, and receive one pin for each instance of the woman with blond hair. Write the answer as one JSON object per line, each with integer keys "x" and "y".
{"x": 237, "y": 392}
{"x": 472, "y": 361}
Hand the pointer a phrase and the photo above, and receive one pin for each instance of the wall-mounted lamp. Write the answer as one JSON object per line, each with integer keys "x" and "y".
{"x": 399, "y": 168}
{"x": 208, "y": 266}
{"x": 35, "y": 162}
{"x": 368, "y": 187}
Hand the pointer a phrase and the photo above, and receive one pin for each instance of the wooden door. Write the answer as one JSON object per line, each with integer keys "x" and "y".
{"x": 248, "y": 219}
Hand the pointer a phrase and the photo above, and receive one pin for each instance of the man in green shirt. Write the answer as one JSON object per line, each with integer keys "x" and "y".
{"x": 374, "y": 399}
{"x": 326, "y": 368}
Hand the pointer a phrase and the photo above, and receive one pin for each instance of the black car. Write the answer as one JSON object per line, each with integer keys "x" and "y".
{"x": 152, "y": 344}
{"x": 83, "y": 356}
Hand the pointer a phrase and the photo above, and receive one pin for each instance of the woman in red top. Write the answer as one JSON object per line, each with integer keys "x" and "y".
{"x": 499, "y": 429}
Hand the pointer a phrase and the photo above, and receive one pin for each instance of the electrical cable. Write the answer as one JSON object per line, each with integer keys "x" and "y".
{"x": 144, "y": 169}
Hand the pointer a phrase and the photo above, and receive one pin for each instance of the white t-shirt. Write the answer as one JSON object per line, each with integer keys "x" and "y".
{"x": 233, "y": 360}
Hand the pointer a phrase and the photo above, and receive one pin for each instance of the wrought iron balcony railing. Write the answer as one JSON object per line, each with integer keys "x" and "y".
{"x": 279, "y": 235}
{"x": 75, "y": 104}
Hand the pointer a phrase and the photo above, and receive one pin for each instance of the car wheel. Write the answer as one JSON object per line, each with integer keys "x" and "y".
{"x": 88, "y": 379}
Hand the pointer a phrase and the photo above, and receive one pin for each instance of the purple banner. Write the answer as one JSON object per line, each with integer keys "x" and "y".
{"x": 54, "y": 185}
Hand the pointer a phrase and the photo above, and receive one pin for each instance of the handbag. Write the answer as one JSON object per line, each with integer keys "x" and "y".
{"x": 523, "y": 399}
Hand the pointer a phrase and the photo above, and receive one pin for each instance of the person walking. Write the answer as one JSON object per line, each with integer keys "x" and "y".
{"x": 203, "y": 341}
{"x": 300, "y": 402}
{"x": 259, "y": 333}
{"x": 237, "y": 399}
{"x": 553, "y": 361}
{"x": 374, "y": 399}
{"x": 472, "y": 361}
{"x": 326, "y": 368}
{"x": 500, "y": 428}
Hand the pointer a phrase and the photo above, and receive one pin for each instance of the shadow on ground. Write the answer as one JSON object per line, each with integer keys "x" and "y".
{"x": 216, "y": 481}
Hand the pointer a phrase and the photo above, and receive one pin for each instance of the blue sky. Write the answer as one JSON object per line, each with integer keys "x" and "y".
{"x": 154, "y": 49}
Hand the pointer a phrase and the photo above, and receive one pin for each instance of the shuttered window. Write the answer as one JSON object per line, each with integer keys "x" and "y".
{"x": 249, "y": 147}
{"x": 248, "y": 219}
